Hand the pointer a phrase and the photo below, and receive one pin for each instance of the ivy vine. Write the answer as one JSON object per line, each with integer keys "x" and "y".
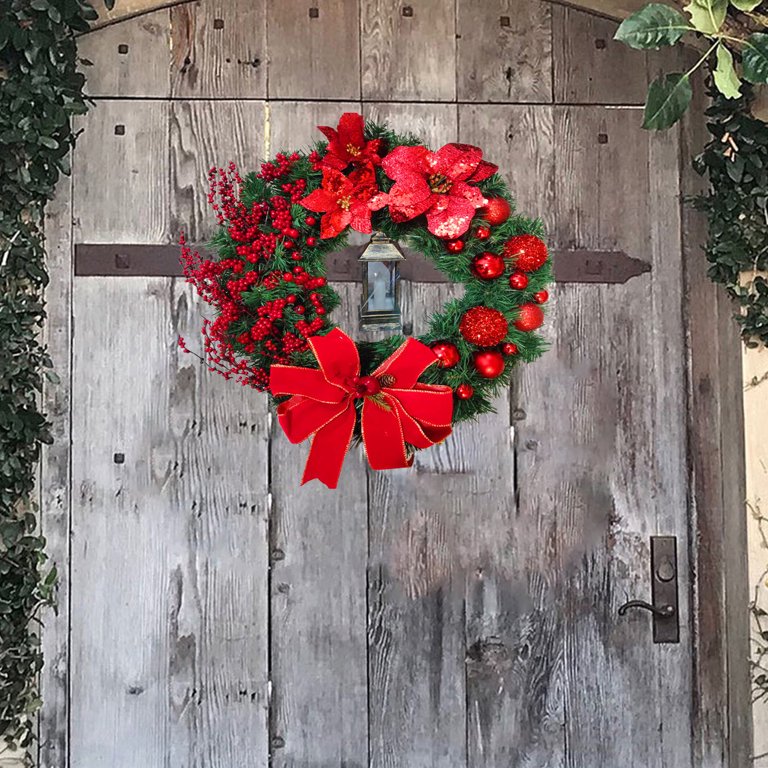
{"x": 40, "y": 91}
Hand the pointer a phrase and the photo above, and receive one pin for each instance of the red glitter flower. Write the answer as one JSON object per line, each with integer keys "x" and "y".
{"x": 346, "y": 200}
{"x": 439, "y": 184}
{"x": 347, "y": 144}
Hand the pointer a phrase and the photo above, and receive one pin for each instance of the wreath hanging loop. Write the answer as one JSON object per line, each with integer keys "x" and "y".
{"x": 273, "y": 329}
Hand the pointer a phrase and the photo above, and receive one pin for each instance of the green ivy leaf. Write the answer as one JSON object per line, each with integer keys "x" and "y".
{"x": 707, "y": 15}
{"x": 726, "y": 79}
{"x": 668, "y": 98}
{"x": 745, "y": 5}
{"x": 652, "y": 26}
{"x": 754, "y": 58}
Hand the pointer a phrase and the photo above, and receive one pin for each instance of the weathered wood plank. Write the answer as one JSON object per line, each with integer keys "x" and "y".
{"x": 319, "y": 548}
{"x": 408, "y": 51}
{"x": 55, "y": 489}
{"x": 129, "y": 59}
{"x": 206, "y": 134}
{"x": 219, "y": 49}
{"x": 314, "y": 50}
{"x": 130, "y": 139}
{"x": 504, "y": 50}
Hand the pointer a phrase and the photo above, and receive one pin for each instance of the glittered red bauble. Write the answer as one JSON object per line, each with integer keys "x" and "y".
{"x": 484, "y": 326}
{"x": 482, "y": 233}
{"x": 540, "y": 297}
{"x": 527, "y": 252}
{"x": 464, "y": 391}
{"x": 488, "y": 266}
{"x": 454, "y": 246}
{"x": 489, "y": 363}
{"x": 447, "y": 354}
{"x": 509, "y": 348}
{"x": 497, "y": 211}
{"x": 530, "y": 318}
{"x": 518, "y": 280}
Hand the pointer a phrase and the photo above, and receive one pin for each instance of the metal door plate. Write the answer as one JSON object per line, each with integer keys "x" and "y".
{"x": 664, "y": 587}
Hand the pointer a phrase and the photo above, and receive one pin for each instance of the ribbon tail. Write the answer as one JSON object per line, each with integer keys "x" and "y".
{"x": 383, "y": 435}
{"x": 329, "y": 447}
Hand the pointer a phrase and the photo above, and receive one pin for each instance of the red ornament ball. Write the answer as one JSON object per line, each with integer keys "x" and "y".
{"x": 527, "y": 252}
{"x": 509, "y": 348}
{"x": 447, "y": 354}
{"x": 484, "y": 326}
{"x": 482, "y": 232}
{"x": 310, "y": 221}
{"x": 454, "y": 246}
{"x": 497, "y": 211}
{"x": 530, "y": 318}
{"x": 464, "y": 391}
{"x": 540, "y": 297}
{"x": 489, "y": 363}
{"x": 488, "y": 266}
{"x": 518, "y": 280}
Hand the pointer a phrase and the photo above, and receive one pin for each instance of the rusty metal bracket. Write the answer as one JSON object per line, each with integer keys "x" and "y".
{"x": 131, "y": 260}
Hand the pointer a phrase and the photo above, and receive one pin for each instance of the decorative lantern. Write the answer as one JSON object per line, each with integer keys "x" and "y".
{"x": 380, "y": 306}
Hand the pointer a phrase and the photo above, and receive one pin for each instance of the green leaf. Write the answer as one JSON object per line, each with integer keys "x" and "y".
{"x": 47, "y": 141}
{"x": 726, "y": 79}
{"x": 707, "y": 15}
{"x": 745, "y": 5}
{"x": 652, "y": 26}
{"x": 668, "y": 98}
{"x": 754, "y": 58}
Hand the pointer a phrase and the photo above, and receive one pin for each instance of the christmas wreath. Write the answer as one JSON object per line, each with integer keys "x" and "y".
{"x": 273, "y": 328}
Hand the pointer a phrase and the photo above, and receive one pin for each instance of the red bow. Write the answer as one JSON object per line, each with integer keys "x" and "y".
{"x": 396, "y": 408}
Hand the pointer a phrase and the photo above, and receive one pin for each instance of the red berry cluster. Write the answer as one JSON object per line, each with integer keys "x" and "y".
{"x": 280, "y": 167}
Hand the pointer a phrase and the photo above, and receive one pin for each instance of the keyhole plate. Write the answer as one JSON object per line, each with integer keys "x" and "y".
{"x": 664, "y": 587}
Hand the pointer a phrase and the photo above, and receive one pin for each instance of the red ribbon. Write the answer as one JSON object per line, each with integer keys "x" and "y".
{"x": 396, "y": 410}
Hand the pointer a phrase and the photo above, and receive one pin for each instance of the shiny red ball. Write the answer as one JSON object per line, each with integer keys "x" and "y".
{"x": 530, "y": 318}
{"x": 488, "y": 266}
{"x": 311, "y": 242}
{"x": 540, "y": 297}
{"x": 447, "y": 354}
{"x": 488, "y": 363}
{"x": 293, "y": 232}
{"x": 518, "y": 280}
{"x": 482, "y": 233}
{"x": 497, "y": 211}
{"x": 310, "y": 221}
{"x": 527, "y": 252}
{"x": 367, "y": 385}
{"x": 454, "y": 246}
{"x": 484, "y": 326}
{"x": 509, "y": 348}
{"x": 464, "y": 391}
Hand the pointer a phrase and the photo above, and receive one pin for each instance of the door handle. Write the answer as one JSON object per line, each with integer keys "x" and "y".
{"x": 665, "y": 611}
{"x": 664, "y": 602}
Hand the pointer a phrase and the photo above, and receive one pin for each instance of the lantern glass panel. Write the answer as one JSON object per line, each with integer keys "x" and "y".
{"x": 380, "y": 301}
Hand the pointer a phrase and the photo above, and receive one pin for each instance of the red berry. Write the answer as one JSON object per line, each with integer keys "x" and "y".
{"x": 288, "y": 277}
{"x": 454, "y": 246}
{"x": 299, "y": 309}
{"x": 509, "y": 348}
{"x": 292, "y": 232}
{"x": 518, "y": 280}
{"x": 291, "y": 298}
{"x": 297, "y": 270}
{"x": 311, "y": 242}
{"x": 296, "y": 256}
{"x": 540, "y": 297}
{"x": 289, "y": 244}
{"x": 310, "y": 221}
{"x": 464, "y": 391}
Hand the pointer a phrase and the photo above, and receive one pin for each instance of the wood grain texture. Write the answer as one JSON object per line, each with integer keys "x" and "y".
{"x": 172, "y": 656}
{"x": 394, "y": 45}
{"x": 319, "y": 543}
{"x": 314, "y": 49}
{"x": 129, "y": 59}
{"x": 206, "y": 134}
{"x": 120, "y": 172}
{"x": 504, "y": 50}
{"x": 219, "y": 49}
{"x": 55, "y": 487}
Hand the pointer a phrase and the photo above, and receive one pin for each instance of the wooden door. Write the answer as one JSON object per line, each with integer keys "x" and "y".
{"x": 463, "y": 613}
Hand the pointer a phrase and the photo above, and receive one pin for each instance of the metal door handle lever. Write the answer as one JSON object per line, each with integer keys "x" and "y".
{"x": 662, "y": 611}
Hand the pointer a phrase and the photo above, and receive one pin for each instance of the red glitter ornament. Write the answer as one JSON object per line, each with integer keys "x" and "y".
{"x": 518, "y": 280}
{"x": 496, "y": 211}
{"x": 464, "y": 391}
{"x": 530, "y": 318}
{"x": 488, "y": 266}
{"x": 485, "y": 326}
{"x": 454, "y": 246}
{"x": 509, "y": 348}
{"x": 528, "y": 252}
{"x": 482, "y": 233}
{"x": 447, "y": 354}
{"x": 488, "y": 363}
{"x": 540, "y": 297}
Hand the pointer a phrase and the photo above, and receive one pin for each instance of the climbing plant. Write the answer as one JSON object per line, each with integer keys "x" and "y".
{"x": 40, "y": 91}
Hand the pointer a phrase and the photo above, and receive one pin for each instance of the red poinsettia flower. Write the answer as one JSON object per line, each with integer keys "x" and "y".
{"x": 439, "y": 184}
{"x": 347, "y": 144}
{"x": 346, "y": 200}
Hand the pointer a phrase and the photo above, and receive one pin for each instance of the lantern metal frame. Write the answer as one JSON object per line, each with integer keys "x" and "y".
{"x": 381, "y": 250}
